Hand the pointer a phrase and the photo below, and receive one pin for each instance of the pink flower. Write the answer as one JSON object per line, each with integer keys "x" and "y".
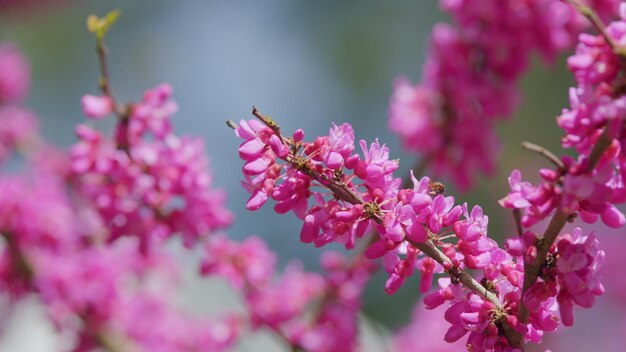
{"x": 96, "y": 107}
{"x": 413, "y": 116}
{"x": 340, "y": 145}
{"x": 242, "y": 264}
{"x": 18, "y": 128}
{"x": 471, "y": 75}
{"x": 440, "y": 213}
{"x": 578, "y": 269}
{"x": 152, "y": 114}
{"x": 284, "y": 300}
{"x": 148, "y": 186}
{"x": 425, "y": 333}
{"x": 14, "y": 74}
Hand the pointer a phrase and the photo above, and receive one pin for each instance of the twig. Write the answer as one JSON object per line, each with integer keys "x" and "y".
{"x": 513, "y": 337}
{"x": 517, "y": 215}
{"x": 466, "y": 279}
{"x": 23, "y": 266}
{"x": 560, "y": 217}
{"x": 268, "y": 122}
{"x": 104, "y": 82}
{"x": 231, "y": 124}
{"x": 597, "y": 23}
{"x": 545, "y": 153}
{"x": 341, "y": 191}
{"x": 598, "y": 149}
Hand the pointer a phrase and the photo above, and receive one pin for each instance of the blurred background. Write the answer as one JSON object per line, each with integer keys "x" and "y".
{"x": 307, "y": 64}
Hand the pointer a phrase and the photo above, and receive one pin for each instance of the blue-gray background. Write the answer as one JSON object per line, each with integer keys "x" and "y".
{"x": 305, "y": 63}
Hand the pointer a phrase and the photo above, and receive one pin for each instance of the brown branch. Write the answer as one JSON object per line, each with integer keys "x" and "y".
{"x": 22, "y": 265}
{"x": 466, "y": 279}
{"x": 517, "y": 215}
{"x": 231, "y": 124}
{"x": 513, "y": 337}
{"x": 341, "y": 191}
{"x": 104, "y": 82}
{"x": 545, "y": 153}
{"x": 597, "y": 23}
{"x": 268, "y": 122}
{"x": 532, "y": 269}
{"x": 598, "y": 149}
{"x": 557, "y": 222}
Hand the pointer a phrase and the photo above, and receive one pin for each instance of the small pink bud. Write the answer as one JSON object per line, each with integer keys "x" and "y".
{"x": 515, "y": 247}
{"x": 298, "y": 135}
{"x": 96, "y": 107}
{"x": 278, "y": 147}
{"x": 613, "y": 217}
{"x": 376, "y": 250}
{"x": 433, "y": 300}
{"x": 548, "y": 175}
{"x": 454, "y": 333}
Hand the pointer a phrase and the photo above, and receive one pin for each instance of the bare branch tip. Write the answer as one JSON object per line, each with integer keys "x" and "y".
{"x": 231, "y": 124}
{"x": 544, "y": 152}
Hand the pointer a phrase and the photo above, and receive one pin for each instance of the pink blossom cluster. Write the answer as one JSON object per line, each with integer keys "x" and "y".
{"x": 365, "y": 196}
{"x": 425, "y": 333}
{"x": 407, "y": 221}
{"x": 570, "y": 276}
{"x": 421, "y": 228}
{"x": 590, "y": 185}
{"x": 18, "y": 125}
{"x": 56, "y": 230}
{"x": 280, "y": 304}
{"x": 107, "y": 288}
{"x": 14, "y": 74}
{"x": 471, "y": 75}
{"x": 83, "y": 230}
{"x": 55, "y": 249}
{"x": 144, "y": 180}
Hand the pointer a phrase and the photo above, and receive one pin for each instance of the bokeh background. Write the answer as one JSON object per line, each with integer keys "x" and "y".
{"x": 305, "y": 63}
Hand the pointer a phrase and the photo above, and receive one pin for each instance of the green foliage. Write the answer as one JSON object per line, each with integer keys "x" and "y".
{"x": 101, "y": 25}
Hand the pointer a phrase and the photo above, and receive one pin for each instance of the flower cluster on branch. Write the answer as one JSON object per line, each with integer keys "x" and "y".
{"x": 84, "y": 229}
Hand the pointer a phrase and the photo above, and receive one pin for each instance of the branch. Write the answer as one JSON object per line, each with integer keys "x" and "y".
{"x": 231, "y": 124}
{"x": 342, "y": 192}
{"x": 23, "y": 266}
{"x": 466, "y": 279}
{"x": 598, "y": 149}
{"x": 532, "y": 269}
{"x": 597, "y": 23}
{"x": 104, "y": 82}
{"x": 513, "y": 337}
{"x": 517, "y": 215}
{"x": 545, "y": 153}
{"x": 99, "y": 26}
{"x": 560, "y": 217}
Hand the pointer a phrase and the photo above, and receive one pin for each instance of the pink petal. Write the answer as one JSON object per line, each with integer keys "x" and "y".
{"x": 251, "y": 148}
{"x": 256, "y": 166}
